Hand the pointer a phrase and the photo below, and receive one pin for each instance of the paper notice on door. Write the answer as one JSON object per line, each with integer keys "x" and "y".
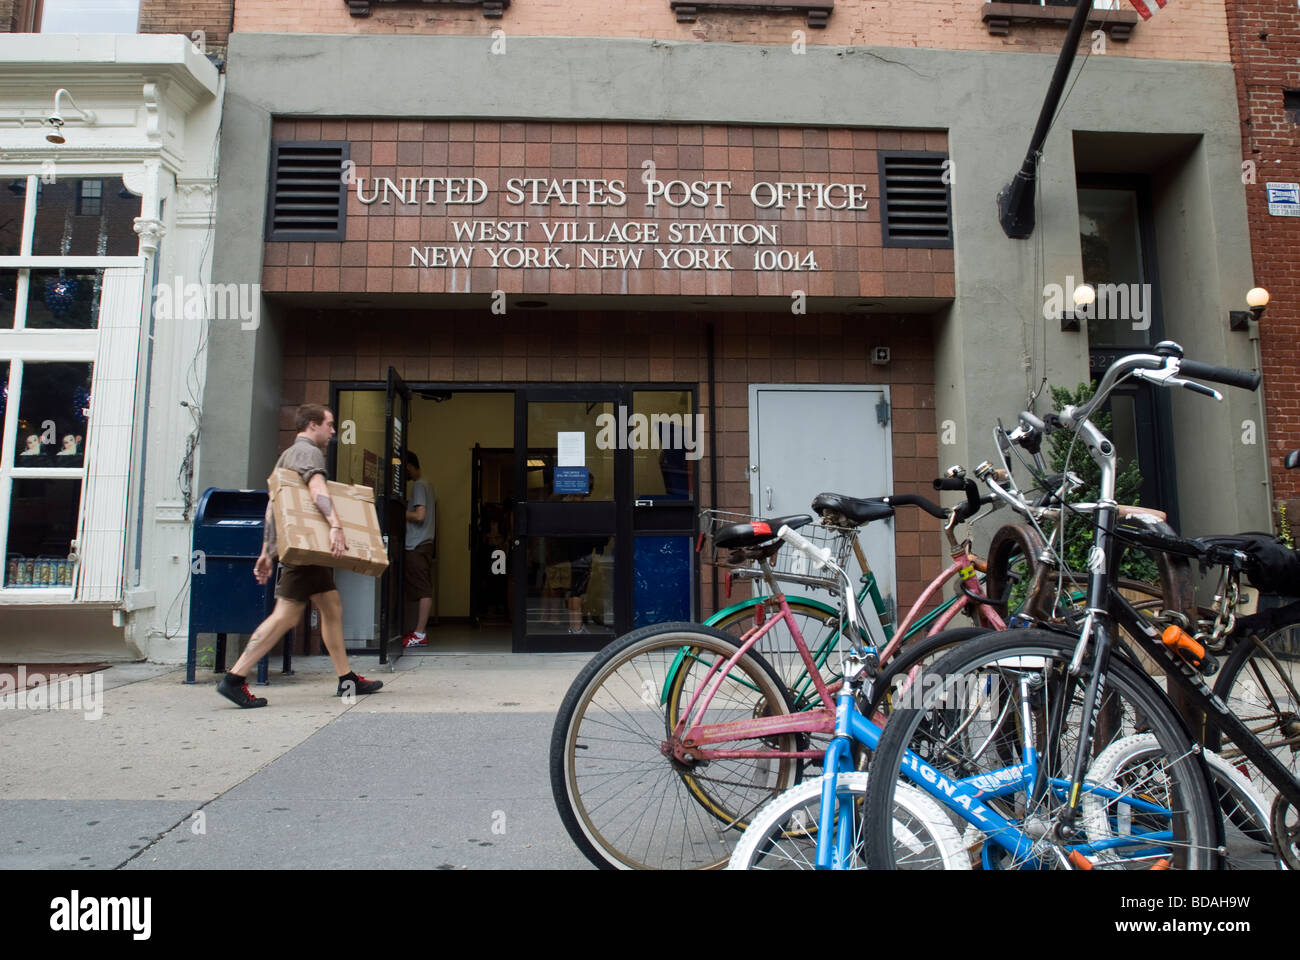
{"x": 571, "y": 449}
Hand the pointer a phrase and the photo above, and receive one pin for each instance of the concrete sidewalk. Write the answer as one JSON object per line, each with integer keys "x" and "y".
{"x": 447, "y": 766}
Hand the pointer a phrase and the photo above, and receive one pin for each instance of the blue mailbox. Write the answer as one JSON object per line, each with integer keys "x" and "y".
{"x": 224, "y": 596}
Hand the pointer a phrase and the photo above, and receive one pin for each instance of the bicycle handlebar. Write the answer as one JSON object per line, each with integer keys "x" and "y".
{"x": 1246, "y": 379}
{"x": 912, "y": 500}
{"x": 968, "y": 486}
{"x": 819, "y": 555}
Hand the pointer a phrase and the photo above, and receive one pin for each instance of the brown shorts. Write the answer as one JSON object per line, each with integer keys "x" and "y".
{"x": 302, "y": 583}
{"x": 418, "y": 573}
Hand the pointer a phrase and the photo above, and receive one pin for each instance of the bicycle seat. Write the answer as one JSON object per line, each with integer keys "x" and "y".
{"x": 853, "y": 509}
{"x": 737, "y": 536}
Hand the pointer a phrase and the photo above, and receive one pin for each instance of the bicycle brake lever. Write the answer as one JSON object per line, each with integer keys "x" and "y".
{"x": 1198, "y": 388}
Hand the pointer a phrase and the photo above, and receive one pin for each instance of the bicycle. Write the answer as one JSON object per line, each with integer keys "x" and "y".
{"x": 692, "y": 729}
{"x": 1164, "y": 814}
{"x": 839, "y": 835}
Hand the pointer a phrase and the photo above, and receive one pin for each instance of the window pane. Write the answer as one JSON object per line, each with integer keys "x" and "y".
{"x": 63, "y": 232}
{"x": 662, "y": 571}
{"x": 588, "y": 425}
{"x": 8, "y": 298}
{"x": 64, "y": 298}
{"x": 4, "y": 394}
{"x": 52, "y": 415}
{"x": 90, "y": 16}
{"x": 13, "y": 194}
{"x": 1112, "y": 264}
{"x": 42, "y": 525}
{"x": 571, "y": 584}
{"x": 665, "y": 437}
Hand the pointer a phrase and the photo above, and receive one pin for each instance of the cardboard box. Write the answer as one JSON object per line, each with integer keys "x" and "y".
{"x": 303, "y": 534}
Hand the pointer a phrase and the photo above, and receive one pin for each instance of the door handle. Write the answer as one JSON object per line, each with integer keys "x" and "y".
{"x": 769, "y": 498}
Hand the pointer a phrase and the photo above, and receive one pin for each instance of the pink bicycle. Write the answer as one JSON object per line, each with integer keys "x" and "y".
{"x": 674, "y": 734}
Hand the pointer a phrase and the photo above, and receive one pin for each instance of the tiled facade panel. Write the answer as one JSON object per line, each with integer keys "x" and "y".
{"x": 376, "y": 256}
{"x": 1265, "y": 37}
{"x": 1183, "y": 30}
{"x": 441, "y": 346}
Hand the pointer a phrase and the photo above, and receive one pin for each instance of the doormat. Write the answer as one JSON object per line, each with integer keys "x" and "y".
{"x": 35, "y": 674}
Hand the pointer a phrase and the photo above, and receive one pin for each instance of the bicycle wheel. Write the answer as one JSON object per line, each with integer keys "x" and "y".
{"x": 819, "y": 625}
{"x": 973, "y": 725}
{"x": 783, "y": 835}
{"x": 1124, "y": 766}
{"x": 626, "y": 804}
{"x": 1259, "y": 682}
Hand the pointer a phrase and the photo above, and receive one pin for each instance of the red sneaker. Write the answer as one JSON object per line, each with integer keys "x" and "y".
{"x": 411, "y": 640}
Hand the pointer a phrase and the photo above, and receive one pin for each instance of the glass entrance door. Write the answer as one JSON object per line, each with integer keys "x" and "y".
{"x": 567, "y": 547}
{"x": 392, "y": 515}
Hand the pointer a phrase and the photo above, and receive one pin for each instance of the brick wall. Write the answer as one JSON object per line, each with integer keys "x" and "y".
{"x": 213, "y": 17}
{"x": 1184, "y": 30}
{"x": 447, "y": 346}
{"x": 1265, "y": 37}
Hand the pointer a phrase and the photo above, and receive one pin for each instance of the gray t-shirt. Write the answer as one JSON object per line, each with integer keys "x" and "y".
{"x": 305, "y": 457}
{"x": 421, "y": 496}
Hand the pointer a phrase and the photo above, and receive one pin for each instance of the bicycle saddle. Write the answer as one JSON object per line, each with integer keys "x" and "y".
{"x": 736, "y": 536}
{"x": 853, "y": 509}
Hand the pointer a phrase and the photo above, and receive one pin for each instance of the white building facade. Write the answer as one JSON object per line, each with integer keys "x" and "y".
{"x": 100, "y": 393}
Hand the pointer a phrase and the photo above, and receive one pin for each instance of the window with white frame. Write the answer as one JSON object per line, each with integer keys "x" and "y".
{"x": 71, "y": 292}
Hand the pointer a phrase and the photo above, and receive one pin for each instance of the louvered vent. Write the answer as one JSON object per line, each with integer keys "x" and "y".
{"x": 308, "y": 191}
{"x": 915, "y": 201}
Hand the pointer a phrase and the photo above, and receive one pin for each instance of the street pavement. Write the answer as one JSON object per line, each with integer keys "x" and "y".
{"x": 445, "y": 768}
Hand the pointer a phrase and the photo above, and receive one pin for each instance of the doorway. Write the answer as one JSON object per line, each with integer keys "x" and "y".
{"x": 562, "y": 516}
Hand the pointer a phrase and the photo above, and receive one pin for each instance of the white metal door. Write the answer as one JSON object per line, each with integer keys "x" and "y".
{"x": 806, "y": 439}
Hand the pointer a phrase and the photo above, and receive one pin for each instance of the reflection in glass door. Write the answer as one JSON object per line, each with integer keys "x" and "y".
{"x": 565, "y": 540}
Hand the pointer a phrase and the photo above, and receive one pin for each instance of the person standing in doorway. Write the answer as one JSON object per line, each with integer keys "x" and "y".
{"x": 421, "y": 550}
{"x": 300, "y": 584}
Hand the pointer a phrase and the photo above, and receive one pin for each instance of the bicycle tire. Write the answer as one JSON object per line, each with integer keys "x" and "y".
{"x": 817, "y": 624}
{"x": 783, "y": 835}
{"x": 1258, "y": 681}
{"x": 1248, "y": 838}
{"x": 626, "y": 699}
{"x": 992, "y": 666}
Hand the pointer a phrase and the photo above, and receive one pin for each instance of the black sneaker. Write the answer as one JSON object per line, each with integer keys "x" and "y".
{"x": 352, "y": 683}
{"x": 235, "y": 689}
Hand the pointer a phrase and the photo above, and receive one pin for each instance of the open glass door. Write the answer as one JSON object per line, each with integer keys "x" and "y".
{"x": 568, "y": 557}
{"x": 392, "y": 515}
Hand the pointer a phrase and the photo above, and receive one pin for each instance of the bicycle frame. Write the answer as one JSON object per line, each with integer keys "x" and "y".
{"x": 690, "y": 739}
{"x": 965, "y": 797}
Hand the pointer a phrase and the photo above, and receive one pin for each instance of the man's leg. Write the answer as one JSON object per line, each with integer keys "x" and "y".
{"x": 330, "y": 605}
{"x": 422, "y": 622}
{"x": 282, "y": 619}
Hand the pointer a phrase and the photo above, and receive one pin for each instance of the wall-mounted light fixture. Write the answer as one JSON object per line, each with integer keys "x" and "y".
{"x": 1257, "y": 300}
{"x": 1084, "y": 296}
{"x": 55, "y": 119}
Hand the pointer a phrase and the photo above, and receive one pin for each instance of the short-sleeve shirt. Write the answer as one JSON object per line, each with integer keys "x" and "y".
{"x": 305, "y": 457}
{"x": 421, "y": 496}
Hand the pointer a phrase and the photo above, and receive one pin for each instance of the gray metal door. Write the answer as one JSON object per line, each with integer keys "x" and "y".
{"x": 806, "y": 439}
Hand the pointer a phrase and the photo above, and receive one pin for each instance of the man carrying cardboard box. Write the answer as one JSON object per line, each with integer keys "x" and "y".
{"x": 299, "y": 584}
